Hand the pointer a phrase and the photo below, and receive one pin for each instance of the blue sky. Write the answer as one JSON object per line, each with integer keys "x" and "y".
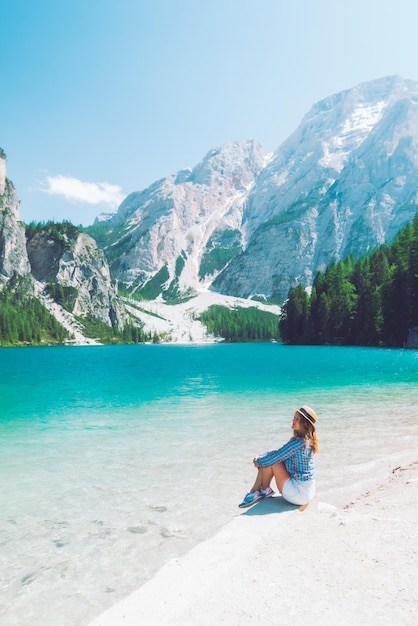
{"x": 101, "y": 98}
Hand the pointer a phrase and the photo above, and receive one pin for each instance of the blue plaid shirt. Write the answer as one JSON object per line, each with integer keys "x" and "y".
{"x": 297, "y": 456}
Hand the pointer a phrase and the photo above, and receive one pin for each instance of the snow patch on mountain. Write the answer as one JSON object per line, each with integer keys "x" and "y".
{"x": 178, "y": 323}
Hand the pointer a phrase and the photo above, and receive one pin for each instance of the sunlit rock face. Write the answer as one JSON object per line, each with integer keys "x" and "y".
{"x": 58, "y": 255}
{"x": 71, "y": 259}
{"x": 188, "y": 223}
{"x": 14, "y": 262}
{"x": 243, "y": 221}
{"x": 343, "y": 183}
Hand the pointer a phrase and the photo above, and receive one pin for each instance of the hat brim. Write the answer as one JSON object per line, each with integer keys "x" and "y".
{"x": 302, "y": 411}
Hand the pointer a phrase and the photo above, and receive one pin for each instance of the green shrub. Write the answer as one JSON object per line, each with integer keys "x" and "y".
{"x": 216, "y": 259}
{"x": 63, "y": 295}
{"x": 154, "y": 286}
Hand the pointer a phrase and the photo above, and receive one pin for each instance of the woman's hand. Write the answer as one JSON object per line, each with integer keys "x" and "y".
{"x": 255, "y": 462}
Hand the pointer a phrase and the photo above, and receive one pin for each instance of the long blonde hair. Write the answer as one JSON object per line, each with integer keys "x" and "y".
{"x": 307, "y": 431}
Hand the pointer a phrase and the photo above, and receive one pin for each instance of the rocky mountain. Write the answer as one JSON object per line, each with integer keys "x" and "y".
{"x": 343, "y": 183}
{"x": 58, "y": 264}
{"x": 247, "y": 223}
{"x": 175, "y": 236}
{"x": 14, "y": 262}
{"x": 64, "y": 269}
{"x": 62, "y": 256}
{"x": 243, "y": 222}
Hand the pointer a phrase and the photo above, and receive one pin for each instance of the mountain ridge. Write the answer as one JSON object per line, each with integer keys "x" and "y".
{"x": 323, "y": 187}
{"x": 249, "y": 224}
{"x": 342, "y": 183}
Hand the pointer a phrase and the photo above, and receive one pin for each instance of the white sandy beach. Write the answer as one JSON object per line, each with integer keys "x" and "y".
{"x": 354, "y": 563}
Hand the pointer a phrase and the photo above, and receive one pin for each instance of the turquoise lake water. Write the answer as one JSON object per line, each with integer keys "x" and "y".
{"x": 115, "y": 459}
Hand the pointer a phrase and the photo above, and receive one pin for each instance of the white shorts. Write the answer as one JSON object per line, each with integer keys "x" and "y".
{"x": 298, "y": 492}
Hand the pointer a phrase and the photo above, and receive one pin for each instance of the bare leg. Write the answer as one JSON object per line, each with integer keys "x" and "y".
{"x": 258, "y": 481}
{"x": 265, "y": 474}
{"x": 280, "y": 474}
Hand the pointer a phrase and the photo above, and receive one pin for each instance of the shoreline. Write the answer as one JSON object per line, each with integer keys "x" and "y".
{"x": 355, "y": 563}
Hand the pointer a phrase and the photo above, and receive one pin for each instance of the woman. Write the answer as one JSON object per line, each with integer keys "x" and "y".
{"x": 292, "y": 465}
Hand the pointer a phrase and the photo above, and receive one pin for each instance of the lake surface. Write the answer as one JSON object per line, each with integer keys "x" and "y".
{"x": 115, "y": 459}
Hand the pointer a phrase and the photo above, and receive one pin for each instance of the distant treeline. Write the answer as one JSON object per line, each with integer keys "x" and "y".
{"x": 56, "y": 229}
{"x": 96, "y": 329}
{"x": 241, "y": 324}
{"x": 26, "y": 321}
{"x": 371, "y": 301}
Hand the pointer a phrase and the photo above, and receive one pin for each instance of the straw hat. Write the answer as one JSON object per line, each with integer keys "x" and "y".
{"x": 308, "y": 414}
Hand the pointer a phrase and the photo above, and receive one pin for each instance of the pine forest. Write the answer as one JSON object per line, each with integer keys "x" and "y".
{"x": 372, "y": 301}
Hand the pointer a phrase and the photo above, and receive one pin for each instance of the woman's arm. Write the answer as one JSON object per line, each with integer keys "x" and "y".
{"x": 276, "y": 456}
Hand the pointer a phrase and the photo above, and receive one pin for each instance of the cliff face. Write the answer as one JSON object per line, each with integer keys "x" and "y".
{"x": 14, "y": 262}
{"x": 343, "y": 183}
{"x": 185, "y": 226}
{"x": 56, "y": 263}
{"x": 70, "y": 259}
{"x": 2, "y": 171}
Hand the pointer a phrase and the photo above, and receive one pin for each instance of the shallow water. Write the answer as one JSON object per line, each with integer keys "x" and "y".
{"x": 115, "y": 459}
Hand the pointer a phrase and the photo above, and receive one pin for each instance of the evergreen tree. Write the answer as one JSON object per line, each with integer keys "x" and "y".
{"x": 371, "y": 301}
{"x": 293, "y": 323}
{"x": 24, "y": 320}
{"x": 241, "y": 324}
{"x": 412, "y": 278}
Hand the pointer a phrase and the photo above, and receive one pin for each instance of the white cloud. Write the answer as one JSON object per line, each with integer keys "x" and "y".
{"x": 79, "y": 191}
